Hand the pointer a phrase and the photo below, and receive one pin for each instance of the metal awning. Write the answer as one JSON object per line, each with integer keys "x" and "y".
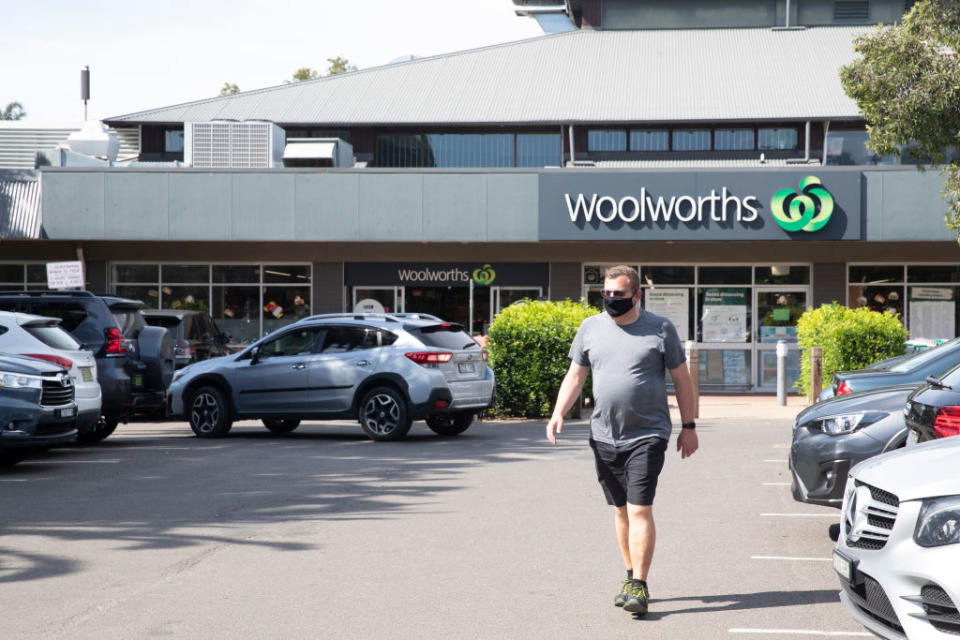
{"x": 19, "y": 204}
{"x": 309, "y": 151}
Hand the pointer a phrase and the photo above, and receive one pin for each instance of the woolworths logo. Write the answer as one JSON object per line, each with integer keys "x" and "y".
{"x": 807, "y": 210}
{"x": 485, "y": 275}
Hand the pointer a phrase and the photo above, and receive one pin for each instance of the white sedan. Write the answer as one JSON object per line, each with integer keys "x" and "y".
{"x": 898, "y": 554}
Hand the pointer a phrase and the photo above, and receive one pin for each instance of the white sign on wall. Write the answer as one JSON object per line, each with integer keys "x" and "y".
{"x": 65, "y": 275}
{"x": 673, "y": 304}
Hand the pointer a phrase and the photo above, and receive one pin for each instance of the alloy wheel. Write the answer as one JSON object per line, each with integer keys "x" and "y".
{"x": 381, "y": 414}
{"x": 205, "y": 412}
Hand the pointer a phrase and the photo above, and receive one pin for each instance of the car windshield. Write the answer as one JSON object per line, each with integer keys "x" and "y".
{"x": 167, "y": 322}
{"x": 915, "y": 362}
{"x": 445, "y": 336}
{"x": 54, "y": 337}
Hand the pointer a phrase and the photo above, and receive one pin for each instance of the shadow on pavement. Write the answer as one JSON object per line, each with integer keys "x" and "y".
{"x": 744, "y": 602}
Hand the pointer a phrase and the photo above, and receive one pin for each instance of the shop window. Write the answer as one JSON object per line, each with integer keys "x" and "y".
{"x": 136, "y": 273}
{"x": 649, "y": 140}
{"x": 401, "y": 151}
{"x": 236, "y": 310}
{"x": 283, "y": 305}
{"x": 782, "y": 274}
{"x": 772, "y": 139}
{"x": 733, "y": 139}
{"x": 470, "y": 149}
{"x": 296, "y": 273}
{"x": 691, "y": 140}
{"x": 724, "y": 314}
{"x": 37, "y": 274}
{"x": 149, "y": 295}
{"x": 674, "y": 303}
{"x": 656, "y": 276}
{"x": 725, "y": 367}
{"x": 875, "y": 274}
{"x": 880, "y": 297}
{"x": 185, "y": 273}
{"x": 173, "y": 141}
{"x": 932, "y": 312}
{"x": 725, "y": 275}
{"x": 12, "y": 273}
{"x": 236, "y": 273}
{"x": 538, "y": 149}
{"x": 606, "y": 140}
{"x": 187, "y": 297}
{"x": 934, "y": 273}
{"x": 850, "y": 148}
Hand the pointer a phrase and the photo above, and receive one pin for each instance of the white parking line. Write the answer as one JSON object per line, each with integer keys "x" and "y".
{"x": 789, "y": 558}
{"x": 834, "y": 516}
{"x": 13, "y": 479}
{"x": 777, "y": 461}
{"x": 776, "y": 484}
{"x": 806, "y": 632}
{"x": 71, "y": 462}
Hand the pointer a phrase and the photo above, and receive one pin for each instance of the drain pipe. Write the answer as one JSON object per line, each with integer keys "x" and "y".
{"x": 787, "y": 21}
{"x": 572, "y": 153}
{"x": 806, "y": 153}
{"x": 826, "y": 132}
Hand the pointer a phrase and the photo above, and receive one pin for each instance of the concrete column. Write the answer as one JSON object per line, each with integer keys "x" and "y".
{"x": 565, "y": 280}
{"x": 328, "y": 291}
{"x": 97, "y": 276}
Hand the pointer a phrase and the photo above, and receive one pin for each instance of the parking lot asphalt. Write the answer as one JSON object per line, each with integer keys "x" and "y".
{"x": 324, "y": 534}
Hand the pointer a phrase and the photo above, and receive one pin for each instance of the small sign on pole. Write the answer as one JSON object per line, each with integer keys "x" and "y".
{"x": 65, "y": 275}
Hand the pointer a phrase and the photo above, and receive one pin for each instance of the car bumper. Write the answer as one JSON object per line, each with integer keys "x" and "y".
{"x": 885, "y": 593}
{"x": 29, "y": 427}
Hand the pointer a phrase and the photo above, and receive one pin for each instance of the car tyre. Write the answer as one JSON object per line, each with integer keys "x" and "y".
{"x": 99, "y": 431}
{"x": 209, "y": 414}
{"x": 383, "y": 414}
{"x": 10, "y": 457}
{"x": 281, "y": 425}
{"x": 450, "y": 424}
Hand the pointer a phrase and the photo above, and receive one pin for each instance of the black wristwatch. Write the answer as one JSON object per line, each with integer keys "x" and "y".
{"x": 688, "y": 425}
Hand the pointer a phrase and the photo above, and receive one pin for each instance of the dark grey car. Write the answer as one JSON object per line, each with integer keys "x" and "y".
{"x": 914, "y": 368}
{"x": 832, "y": 436}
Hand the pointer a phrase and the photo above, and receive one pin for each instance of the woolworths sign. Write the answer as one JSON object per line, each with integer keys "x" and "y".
{"x": 749, "y": 205}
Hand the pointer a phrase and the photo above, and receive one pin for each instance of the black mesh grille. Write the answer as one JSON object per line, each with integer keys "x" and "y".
{"x": 55, "y": 393}
{"x": 864, "y": 543}
{"x": 868, "y": 596}
{"x": 885, "y": 523}
{"x": 934, "y": 593}
{"x": 884, "y": 496}
{"x": 940, "y": 609}
{"x": 52, "y": 429}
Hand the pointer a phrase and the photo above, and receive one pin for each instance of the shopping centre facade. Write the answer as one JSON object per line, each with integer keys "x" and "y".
{"x": 738, "y": 184}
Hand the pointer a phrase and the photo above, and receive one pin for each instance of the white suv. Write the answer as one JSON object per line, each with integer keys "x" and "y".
{"x": 898, "y": 554}
{"x": 41, "y": 337}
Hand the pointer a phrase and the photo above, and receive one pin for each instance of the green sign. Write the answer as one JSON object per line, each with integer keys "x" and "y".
{"x": 736, "y": 296}
{"x": 807, "y": 210}
{"x": 485, "y": 275}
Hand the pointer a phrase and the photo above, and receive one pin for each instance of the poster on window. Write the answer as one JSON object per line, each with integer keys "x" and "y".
{"x": 724, "y": 316}
{"x": 673, "y": 304}
{"x": 932, "y": 313}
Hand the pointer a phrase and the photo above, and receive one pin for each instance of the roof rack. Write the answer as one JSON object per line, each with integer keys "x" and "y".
{"x": 388, "y": 317}
{"x": 47, "y": 292}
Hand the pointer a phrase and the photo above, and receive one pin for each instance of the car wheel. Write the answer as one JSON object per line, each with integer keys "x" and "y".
{"x": 383, "y": 414}
{"x": 450, "y": 424}
{"x": 209, "y": 415}
{"x": 10, "y": 457}
{"x": 281, "y": 425}
{"x": 99, "y": 430}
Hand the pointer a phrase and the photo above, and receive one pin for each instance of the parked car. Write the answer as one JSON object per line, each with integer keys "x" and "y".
{"x": 134, "y": 364}
{"x": 899, "y": 545}
{"x": 933, "y": 410}
{"x": 43, "y": 338}
{"x": 915, "y": 368}
{"x": 832, "y": 436}
{"x": 382, "y": 370}
{"x": 194, "y": 333}
{"x": 37, "y": 407}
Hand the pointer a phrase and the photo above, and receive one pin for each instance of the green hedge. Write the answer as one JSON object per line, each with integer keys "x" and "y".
{"x": 850, "y": 338}
{"x": 527, "y": 344}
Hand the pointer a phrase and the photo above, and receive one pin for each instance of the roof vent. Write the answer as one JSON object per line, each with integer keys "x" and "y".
{"x": 233, "y": 145}
{"x": 851, "y": 10}
{"x": 94, "y": 140}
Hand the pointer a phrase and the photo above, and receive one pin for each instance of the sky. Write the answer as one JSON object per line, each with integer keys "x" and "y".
{"x": 144, "y": 55}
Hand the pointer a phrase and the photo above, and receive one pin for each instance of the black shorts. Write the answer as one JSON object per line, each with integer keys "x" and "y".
{"x": 629, "y": 474}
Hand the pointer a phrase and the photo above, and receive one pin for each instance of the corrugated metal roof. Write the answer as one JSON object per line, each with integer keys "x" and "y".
{"x": 19, "y": 204}
{"x": 581, "y": 76}
{"x": 20, "y": 140}
{"x": 695, "y": 163}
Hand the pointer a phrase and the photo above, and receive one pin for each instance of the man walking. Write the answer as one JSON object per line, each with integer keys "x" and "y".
{"x": 629, "y": 350}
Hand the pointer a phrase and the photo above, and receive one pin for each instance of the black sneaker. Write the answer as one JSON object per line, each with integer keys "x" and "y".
{"x": 621, "y": 598}
{"x": 637, "y": 596}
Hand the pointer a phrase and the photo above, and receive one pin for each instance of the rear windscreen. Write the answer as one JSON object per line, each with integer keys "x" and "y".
{"x": 53, "y": 337}
{"x": 163, "y": 321}
{"x": 445, "y": 336}
{"x": 130, "y": 323}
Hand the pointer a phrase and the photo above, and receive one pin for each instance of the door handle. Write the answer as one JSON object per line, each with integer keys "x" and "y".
{"x": 299, "y": 365}
{"x": 363, "y": 363}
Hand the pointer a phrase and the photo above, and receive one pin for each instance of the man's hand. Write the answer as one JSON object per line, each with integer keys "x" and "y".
{"x": 687, "y": 443}
{"x": 554, "y": 428}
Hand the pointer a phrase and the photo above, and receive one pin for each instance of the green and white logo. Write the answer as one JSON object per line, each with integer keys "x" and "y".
{"x": 485, "y": 275}
{"x": 807, "y": 210}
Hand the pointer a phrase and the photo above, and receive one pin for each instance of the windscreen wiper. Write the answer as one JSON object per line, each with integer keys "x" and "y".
{"x": 938, "y": 383}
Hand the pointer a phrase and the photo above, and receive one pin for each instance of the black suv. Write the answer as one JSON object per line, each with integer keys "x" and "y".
{"x": 195, "y": 334}
{"x": 37, "y": 407}
{"x": 134, "y": 362}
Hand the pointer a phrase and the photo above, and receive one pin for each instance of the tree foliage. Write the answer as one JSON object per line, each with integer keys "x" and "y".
{"x": 339, "y": 65}
{"x": 906, "y": 83}
{"x": 13, "y": 111}
{"x": 305, "y": 73}
{"x": 228, "y": 89}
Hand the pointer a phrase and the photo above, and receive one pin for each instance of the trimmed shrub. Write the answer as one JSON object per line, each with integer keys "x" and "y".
{"x": 850, "y": 338}
{"x": 527, "y": 346}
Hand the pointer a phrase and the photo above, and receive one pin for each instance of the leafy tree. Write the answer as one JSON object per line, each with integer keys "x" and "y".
{"x": 13, "y": 111}
{"x": 228, "y": 89}
{"x": 907, "y": 86}
{"x": 304, "y": 73}
{"x": 339, "y": 65}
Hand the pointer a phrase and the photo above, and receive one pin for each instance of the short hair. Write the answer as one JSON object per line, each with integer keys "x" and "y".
{"x": 623, "y": 270}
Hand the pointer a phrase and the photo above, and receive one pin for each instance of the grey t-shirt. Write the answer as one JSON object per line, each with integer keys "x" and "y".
{"x": 629, "y": 364}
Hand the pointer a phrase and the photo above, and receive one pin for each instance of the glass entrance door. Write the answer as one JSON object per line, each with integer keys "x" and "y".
{"x": 377, "y": 300}
{"x": 777, "y": 310}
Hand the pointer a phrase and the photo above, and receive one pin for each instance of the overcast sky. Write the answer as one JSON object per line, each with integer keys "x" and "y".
{"x": 151, "y": 54}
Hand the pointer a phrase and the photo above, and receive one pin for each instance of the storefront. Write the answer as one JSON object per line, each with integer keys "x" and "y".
{"x": 465, "y": 292}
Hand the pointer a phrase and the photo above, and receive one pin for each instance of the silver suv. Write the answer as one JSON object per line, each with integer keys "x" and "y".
{"x": 383, "y": 370}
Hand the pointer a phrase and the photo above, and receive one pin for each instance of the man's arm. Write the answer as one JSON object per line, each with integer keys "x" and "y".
{"x": 568, "y": 394}
{"x": 687, "y": 441}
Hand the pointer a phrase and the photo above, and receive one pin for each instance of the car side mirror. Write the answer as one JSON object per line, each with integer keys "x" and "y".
{"x": 255, "y": 355}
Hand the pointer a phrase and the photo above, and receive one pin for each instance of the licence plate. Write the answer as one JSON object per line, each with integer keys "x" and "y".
{"x": 67, "y": 412}
{"x": 86, "y": 373}
{"x": 466, "y": 367}
{"x": 843, "y": 566}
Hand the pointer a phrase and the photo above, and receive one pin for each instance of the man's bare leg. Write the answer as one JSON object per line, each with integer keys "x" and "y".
{"x": 622, "y": 524}
{"x": 642, "y": 538}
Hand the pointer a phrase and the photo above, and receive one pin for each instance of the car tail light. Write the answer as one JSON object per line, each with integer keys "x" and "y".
{"x": 183, "y": 352}
{"x": 947, "y": 422}
{"x": 440, "y": 405}
{"x": 843, "y": 388}
{"x": 483, "y": 355}
{"x": 430, "y": 358}
{"x": 115, "y": 344}
{"x": 49, "y": 357}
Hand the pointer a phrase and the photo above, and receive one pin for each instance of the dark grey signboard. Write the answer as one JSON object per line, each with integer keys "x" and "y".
{"x": 450, "y": 274}
{"x": 813, "y": 203}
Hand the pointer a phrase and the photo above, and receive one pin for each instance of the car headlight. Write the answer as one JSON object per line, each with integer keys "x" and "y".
{"x": 939, "y": 522}
{"x": 20, "y": 381}
{"x": 848, "y": 422}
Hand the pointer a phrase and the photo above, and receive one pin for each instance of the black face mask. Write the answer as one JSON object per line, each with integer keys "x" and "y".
{"x": 618, "y": 306}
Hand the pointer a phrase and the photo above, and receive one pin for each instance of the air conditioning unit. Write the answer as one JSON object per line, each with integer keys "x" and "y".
{"x": 223, "y": 144}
